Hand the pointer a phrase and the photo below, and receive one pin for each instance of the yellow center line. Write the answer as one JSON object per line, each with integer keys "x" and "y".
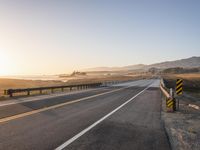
{"x": 6, "y": 119}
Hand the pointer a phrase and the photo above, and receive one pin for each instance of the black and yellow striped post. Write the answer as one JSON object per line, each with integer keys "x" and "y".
{"x": 179, "y": 86}
{"x": 170, "y": 104}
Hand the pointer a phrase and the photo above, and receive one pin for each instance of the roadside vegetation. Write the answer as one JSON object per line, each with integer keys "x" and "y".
{"x": 191, "y": 82}
{"x": 18, "y": 83}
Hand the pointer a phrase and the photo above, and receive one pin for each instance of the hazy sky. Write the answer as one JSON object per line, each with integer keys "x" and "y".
{"x": 48, "y": 37}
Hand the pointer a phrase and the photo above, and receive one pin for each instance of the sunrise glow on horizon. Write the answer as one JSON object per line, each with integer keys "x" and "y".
{"x": 56, "y": 37}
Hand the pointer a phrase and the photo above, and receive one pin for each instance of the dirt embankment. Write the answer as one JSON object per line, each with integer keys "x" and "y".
{"x": 183, "y": 126}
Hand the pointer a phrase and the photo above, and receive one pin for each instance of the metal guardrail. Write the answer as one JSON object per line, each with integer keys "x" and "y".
{"x": 10, "y": 92}
{"x": 170, "y": 99}
{"x": 163, "y": 89}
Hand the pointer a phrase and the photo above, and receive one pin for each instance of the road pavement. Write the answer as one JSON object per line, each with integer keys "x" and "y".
{"x": 125, "y": 116}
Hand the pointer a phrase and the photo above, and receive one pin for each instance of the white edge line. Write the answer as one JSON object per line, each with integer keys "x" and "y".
{"x": 97, "y": 122}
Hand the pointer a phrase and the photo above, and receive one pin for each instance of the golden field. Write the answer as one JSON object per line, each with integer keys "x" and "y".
{"x": 191, "y": 82}
{"x": 19, "y": 83}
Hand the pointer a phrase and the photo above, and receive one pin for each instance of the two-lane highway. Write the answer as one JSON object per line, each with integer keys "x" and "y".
{"x": 125, "y": 116}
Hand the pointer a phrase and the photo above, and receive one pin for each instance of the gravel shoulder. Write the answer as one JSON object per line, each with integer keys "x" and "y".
{"x": 183, "y": 126}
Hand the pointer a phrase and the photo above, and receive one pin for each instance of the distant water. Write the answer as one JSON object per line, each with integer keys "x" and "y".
{"x": 35, "y": 77}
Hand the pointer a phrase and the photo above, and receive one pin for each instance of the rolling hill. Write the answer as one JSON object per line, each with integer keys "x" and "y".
{"x": 192, "y": 62}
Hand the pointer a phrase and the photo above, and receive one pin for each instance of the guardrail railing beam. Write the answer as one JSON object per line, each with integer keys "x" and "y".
{"x": 170, "y": 100}
{"x": 10, "y": 92}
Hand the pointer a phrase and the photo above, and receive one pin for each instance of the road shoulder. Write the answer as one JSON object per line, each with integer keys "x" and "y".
{"x": 182, "y": 127}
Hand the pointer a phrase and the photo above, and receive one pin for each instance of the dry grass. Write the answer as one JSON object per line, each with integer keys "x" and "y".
{"x": 191, "y": 82}
{"x": 108, "y": 79}
{"x": 17, "y": 83}
{"x": 191, "y": 76}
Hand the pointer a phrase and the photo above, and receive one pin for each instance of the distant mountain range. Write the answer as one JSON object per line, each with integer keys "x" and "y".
{"x": 192, "y": 62}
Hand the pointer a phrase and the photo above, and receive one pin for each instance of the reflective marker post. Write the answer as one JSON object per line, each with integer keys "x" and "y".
{"x": 179, "y": 90}
{"x": 179, "y": 86}
{"x": 170, "y": 102}
{"x": 173, "y": 99}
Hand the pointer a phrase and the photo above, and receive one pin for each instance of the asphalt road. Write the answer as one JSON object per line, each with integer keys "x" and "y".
{"x": 125, "y": 116}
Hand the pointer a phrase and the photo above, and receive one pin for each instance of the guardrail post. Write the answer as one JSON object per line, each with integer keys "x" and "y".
{"x": 177, "y": 104}
{"x": 5, "y": 92}
{"x": 174, "y": 100}
{"x": 169, "y": 104}
{"x": 170, "y": 101}
{"x": 10, "y": 93}
{"x": 28, "y": 92}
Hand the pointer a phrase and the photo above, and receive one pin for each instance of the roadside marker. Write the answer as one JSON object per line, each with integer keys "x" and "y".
{"x": 170, "y": 103}
{"x": 179, "y": 86}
